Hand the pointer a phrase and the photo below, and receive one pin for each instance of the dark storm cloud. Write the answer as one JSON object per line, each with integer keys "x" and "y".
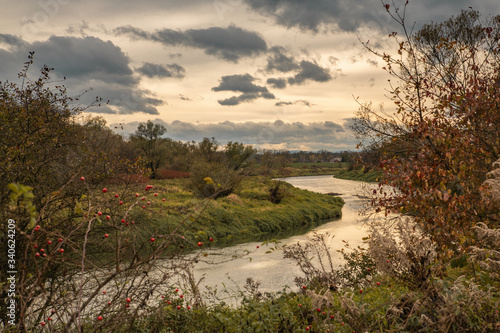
{"x": 277, "y": 83}
{"x": 231, "y": 43}
{"x": 244, "y": 84}
{"x": 88, "y": 64}
{"x": 310, "y": 71}
{"x": 278, "y": 134}
{"x": 161, "y": 71}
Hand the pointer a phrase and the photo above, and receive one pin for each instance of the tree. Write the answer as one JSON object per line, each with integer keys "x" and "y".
{"x": 438, "y": 145}
{"x": 50, "y": 164}
{"x": 148, "y": 139}
{"x": 217, "y": 173}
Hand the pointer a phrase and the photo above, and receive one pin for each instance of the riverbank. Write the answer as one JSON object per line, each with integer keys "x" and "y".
{"x": 242, "y": 216}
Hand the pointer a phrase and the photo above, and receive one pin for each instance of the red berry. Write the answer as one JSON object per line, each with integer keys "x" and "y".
{"x": 307, "y": 328}
{"x": 52, "y": 311}
{"x": 121, "y": 202}
{"x": 181, "y": 296}
{"x": 123, "y": 220}
{"x": 42, "y": 323}
{"x": 378, "y": 283}
{"x": 143, "y": 198}
{"x": 200, "y": 243}
{"x": 49, "y": 319}
{"x": 44, "y": 255}
{"x": 137, "y": 194}
{"x": 35, "y": 246}
{"x": 99, "y": 318}
{"x": 211, "y": 239}
{"x": 388, "y": 260}
{"x": 61, "y": 250}
{"x": 108, "y": 217}
{"x": 162, "y": 296}
{"x": 104, "y": 292}
{"x": 360, "y": 291}
{"x": 178, "y": 307}
{"x": 332, "y": 316}
{"x": 116, "y": 195}
{"x": 152, "y": 239}
{"x": 149, "y": 202}
{"x": 258, "y": 246}
{"x": 176, "y": 290}
{"x": 163, "y": 199}
{"x": 60, "y": 240}
{"x": 37, "y": 254}
{"x": 49, "y": 242}
{"x": 104, "y": 190}
{"x": 42, "y": 250}
{"x": 304, "y": 287}
{"x": 188, "y": 307}
{"x": 106, "y": 235}
{"x": 128, "y": 300}
{"x": 156, "y": 194}
{"x": 319, "y": 310}
{"x": 143, "y": 207}
{"x": 82, "y": 178}
{"x": 169, "y": 302}
{"x": 109, "y": 303}
{"x": 99, "y": 213}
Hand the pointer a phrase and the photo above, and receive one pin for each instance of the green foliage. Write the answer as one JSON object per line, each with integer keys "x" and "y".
{"x": 148, "y": 138}
{"x": 222, "y": 168}
{"x": 26, "y": 203}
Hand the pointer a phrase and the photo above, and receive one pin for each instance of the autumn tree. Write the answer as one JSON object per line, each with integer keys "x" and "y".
{"x": 218, "y": 172}
{"x": 148, "y": 138}
{"x": 439, "y": 143}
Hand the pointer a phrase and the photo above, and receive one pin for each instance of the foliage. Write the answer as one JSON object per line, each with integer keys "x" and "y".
{"x": 148, "y": 138}
{"x": 439, "y": 144}
{"x": 276, "y": 192}
{"x": 215, "y": 173}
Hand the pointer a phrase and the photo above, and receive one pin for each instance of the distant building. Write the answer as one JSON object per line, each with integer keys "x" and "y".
{"x": 336, "y": 159}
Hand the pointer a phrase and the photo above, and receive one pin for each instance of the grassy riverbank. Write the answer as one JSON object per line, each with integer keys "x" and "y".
{"x": 359, "y": 175}
{"x": 244, "y": 215}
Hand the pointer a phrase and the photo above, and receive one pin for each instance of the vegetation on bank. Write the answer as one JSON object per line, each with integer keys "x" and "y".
{"x": 247, "y": 214}
{"x": 359, "y": 175}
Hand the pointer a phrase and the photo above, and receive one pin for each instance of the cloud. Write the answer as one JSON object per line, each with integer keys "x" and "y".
{"x": 300, "y": 101}
{"x": 231, "y": 43}
{"x": 270, "y": 135}
{"x": 161, "y": 71}
{"x": 278, "y": 83}
{"x": 302, "y": 71}
{"x": 86, "y": 63}
{"x": 310, "y": 71}
{"x": 241, "y": 83}
{"x": 280, "y": 61}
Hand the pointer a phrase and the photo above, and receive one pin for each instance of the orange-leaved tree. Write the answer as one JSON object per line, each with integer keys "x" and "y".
{"x": 443, "y": 135}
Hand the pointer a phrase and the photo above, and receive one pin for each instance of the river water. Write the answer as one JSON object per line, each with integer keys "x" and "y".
{"x": 271, "y": 270}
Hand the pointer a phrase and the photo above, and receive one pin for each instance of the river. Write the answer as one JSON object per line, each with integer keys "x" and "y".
{"x": 271, "y": 270}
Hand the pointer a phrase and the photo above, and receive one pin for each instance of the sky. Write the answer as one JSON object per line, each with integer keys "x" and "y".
{"x": 277, "y": 74}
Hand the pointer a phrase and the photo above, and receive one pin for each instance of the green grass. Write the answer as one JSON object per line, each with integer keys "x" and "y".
{"x": 244, "y": 215}
{"x": 359, "y": 175}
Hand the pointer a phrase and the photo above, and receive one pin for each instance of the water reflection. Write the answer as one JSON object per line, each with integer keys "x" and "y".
{"x": 272, "y": 270}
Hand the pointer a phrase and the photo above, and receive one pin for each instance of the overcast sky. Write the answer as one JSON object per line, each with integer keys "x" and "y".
{"x": 280, "y": 74}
